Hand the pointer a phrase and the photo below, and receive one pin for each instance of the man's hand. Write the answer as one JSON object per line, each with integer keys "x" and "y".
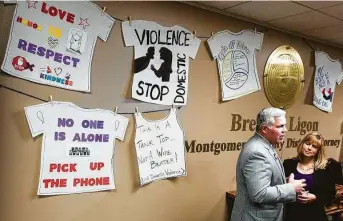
{"x": 306, "y": 197}
{"x": 298, "y": 184}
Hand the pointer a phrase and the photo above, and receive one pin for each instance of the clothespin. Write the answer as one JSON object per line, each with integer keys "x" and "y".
{"x": 211, "y": 33}
{"x": 51, "y": 99}
{"x": 194, "y": 34}
{"x": 116, "y": 110}
{"x": 255, "y": 31}
{"x": 136, "y": 110}
{"x": 103, "y": 11}
{"x": 173, "y": 106}
{"x": 130, "y": 21}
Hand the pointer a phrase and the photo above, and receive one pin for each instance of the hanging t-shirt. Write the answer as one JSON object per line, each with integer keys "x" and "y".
{"x": 235, "y": 54}
{"x": 160, "y": 148}
{"x": 77, "y": 147}
{"x": 52, "y": 42}
{"x": 328, "y": 73}
{"x": 161, "y": 61}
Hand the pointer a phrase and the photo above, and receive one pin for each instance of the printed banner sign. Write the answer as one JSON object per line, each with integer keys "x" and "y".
{"x": 77, "y": 148}
{"x": 52, "y": 43}
{"x": 160, "y": 148}
{"x": 161, "y": 61}
{"x": 235, "y": 54}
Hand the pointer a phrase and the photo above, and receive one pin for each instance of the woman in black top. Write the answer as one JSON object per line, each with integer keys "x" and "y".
{"x": 311, "y": 165}
{"x": 166, "y": 67}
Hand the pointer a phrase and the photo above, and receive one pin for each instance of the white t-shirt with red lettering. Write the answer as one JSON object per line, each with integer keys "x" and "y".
{"x": 161, "y": 61}
{"x": 52, "y": 42}
{"x": 77, "y": 147}
{"x": 235, "y": 54}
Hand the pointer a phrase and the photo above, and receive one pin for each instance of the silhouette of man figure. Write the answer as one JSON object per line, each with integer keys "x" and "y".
{"x": 142, "y": 63}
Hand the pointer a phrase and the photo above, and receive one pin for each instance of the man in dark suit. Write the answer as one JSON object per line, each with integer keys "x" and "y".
{"x": 261, "y": 183}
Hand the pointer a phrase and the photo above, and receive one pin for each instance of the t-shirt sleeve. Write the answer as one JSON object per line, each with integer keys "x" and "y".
{"x": 128, "y": 33}
{"x": 339, "y": 77}
{"x": 105, "y": 23}
{"x": 194, "y": 46}
{"x": 214, "y": 46}
{"x": 258, "y": 38}
{"x": 317, "y": 57}
{"x": 120, "y": 125}
{"x": 36, "y": 116}
{"x": 339, "y": 80}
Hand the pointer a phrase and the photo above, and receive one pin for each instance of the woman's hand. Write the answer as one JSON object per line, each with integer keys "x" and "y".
{"x": 306, "y": 197}
{"x": 152, "y": 67}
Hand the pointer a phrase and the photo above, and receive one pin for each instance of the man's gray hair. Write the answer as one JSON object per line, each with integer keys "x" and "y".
{"x": 266, "y": 117}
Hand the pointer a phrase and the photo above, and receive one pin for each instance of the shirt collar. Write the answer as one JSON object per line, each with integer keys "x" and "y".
{"x": 265, "y": 140}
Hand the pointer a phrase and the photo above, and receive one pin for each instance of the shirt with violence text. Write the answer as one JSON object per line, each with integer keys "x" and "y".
{"x": 161, "y": 62}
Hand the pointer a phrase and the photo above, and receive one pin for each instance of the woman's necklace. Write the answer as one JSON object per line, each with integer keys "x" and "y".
{"x": 306, "y": 169}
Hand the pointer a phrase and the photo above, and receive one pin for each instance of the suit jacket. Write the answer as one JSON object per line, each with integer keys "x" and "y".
{"x": 324, "y": 189}
{"x": 335, "y": 168}
{"x": 261, "y": 183}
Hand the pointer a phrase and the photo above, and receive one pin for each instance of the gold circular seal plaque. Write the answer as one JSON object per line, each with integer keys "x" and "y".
{"x": 283, "y": 77}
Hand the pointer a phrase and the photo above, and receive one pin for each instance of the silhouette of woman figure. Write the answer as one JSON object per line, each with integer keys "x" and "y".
{"x": 142, "y": 63}
{"x": 165, "y": 69}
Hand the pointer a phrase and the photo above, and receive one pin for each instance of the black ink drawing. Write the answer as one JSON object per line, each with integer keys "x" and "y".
{"x": 79, "y": 151}
{"x": 166, "y": 67}
{"x": 52, "y": 42}
{"x": 58, "y": 71}
{"x": 116, "y": 125}
{"x": 67, "y": 76}
{"x": 142, "y": 63}
{"x": 235, "y": 69}
{"x": 40, "y": 116}
{"x": 222, "y": 52}
{"x": 75, "y": 42}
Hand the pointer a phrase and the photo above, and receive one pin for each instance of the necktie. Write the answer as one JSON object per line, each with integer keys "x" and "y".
{"x": 277, "y": 158}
